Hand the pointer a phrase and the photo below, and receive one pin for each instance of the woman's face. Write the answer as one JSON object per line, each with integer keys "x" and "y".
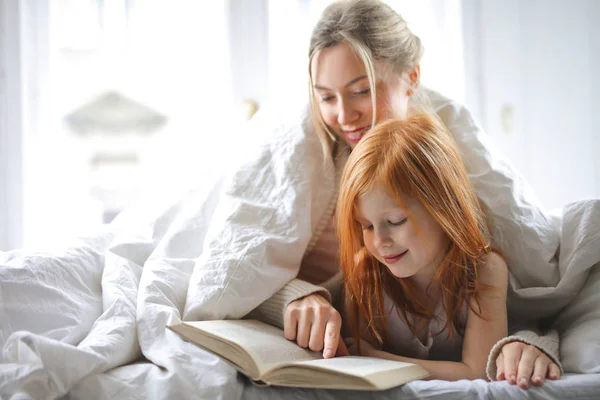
{"x": 343, "y": 93}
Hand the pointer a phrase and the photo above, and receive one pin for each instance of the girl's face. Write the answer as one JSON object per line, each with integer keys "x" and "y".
{"x": 343, "y": 93}
{"x": 407, "y": 250}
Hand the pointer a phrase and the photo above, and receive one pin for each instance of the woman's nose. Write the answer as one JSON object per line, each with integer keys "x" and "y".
{"x": 346, "y": 113}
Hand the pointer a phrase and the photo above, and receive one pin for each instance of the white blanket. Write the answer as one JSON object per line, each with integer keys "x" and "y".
{"x": 90, "y": 319}
{"x": 82, "y": 312}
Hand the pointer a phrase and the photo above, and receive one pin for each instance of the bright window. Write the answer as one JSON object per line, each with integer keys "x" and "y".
{"x": 137, "y": 91}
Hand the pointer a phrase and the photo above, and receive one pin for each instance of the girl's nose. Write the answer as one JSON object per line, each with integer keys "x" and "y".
{"x": 383, "y": 239}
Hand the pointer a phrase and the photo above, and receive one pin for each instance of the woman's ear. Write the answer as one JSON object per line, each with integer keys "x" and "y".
{"x": 414, "y": 77}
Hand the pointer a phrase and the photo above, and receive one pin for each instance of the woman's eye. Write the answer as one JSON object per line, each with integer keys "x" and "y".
{"x": 368, "y": 228}
{"x": 363, "y": 92}
{"x": 392, "y": 223}
{"x": 326, "y": 99}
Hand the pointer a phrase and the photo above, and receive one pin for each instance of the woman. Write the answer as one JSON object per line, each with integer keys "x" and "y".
{"x": 364, "y": 68}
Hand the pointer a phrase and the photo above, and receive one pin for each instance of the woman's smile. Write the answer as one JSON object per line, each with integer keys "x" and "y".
{"x": 356, "y": 135}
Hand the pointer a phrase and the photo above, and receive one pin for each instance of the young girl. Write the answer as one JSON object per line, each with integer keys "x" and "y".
{"x": 421, "y": 282}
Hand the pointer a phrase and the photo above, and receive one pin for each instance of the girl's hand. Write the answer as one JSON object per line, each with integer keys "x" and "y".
{"x": 314, "y": 323}
{"x": 366, "y": 349}
{"x": 521, "y": 363}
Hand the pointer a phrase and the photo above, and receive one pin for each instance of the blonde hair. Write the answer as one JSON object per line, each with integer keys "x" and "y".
{"x": 375, "y": 32}
{"x": 419, "y": 159}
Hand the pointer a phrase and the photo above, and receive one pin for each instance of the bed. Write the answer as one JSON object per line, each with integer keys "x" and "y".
{"x": 571, "y": 386}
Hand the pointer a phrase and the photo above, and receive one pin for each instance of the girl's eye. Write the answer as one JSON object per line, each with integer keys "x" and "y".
{"x": 326, "y": 99}
{"x": 363, "y": 92}
{"x": 397, "y": 223}
{"x": 368, "y": 228}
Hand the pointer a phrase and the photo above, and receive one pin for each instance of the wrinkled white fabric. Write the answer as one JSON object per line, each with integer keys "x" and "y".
{"x": 89, "y": 320}
{"x": 581, "y": 387}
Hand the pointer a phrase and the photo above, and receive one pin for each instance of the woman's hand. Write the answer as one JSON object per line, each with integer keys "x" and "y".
{"x": 366, "y": 349}
{"x": 314, "y": 323}
{"x": 521, "y": 363}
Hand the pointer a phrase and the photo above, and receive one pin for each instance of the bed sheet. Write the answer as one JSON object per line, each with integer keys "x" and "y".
{"x": 571, "y": 386}
{"x": 137, "y": 381}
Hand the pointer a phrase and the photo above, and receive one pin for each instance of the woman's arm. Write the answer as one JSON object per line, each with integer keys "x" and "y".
{"x": 523, "y": 361}
{"x": 525, "y": 356}
{"x": 306, "y": 314}
{"x": 272, "y": 311}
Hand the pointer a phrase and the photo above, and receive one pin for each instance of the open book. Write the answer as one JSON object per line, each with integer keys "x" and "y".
{"x": 260, "y": 351}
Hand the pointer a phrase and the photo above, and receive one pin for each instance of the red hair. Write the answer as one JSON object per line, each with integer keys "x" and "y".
{"x": 419, "y": 159}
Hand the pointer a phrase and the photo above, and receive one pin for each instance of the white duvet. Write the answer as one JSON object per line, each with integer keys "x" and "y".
{"x": 88, "y": 320}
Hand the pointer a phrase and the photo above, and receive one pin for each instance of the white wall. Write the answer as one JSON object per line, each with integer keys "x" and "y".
{"x": 557, "y": 95}
{"x": 11, "y": 145}
{"x": 538, "y": 90}
{"x": 438, "y": 23}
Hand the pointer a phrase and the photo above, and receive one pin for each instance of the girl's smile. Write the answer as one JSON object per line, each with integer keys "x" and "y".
{"x": 394, "y": 259}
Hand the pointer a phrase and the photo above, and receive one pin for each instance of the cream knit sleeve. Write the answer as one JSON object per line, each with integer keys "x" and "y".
{"x": 547, "y": 343}
{"x": 272, "y": 310}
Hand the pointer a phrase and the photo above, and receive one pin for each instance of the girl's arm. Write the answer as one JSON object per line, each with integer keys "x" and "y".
{"x": 481, "y": 333}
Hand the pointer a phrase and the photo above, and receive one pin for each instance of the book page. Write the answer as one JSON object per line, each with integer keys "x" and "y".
{"x": 265, "y": 343}
{"x": 358, "y": 366}
{"x": 358, "y": 373}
